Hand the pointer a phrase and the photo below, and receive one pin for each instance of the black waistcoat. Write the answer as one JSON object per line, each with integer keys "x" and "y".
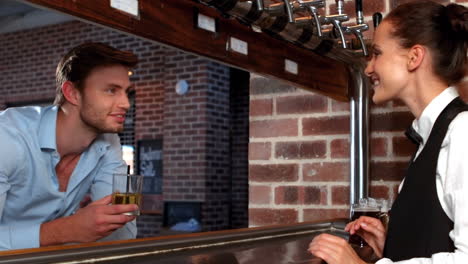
{"x": 418, "y": 225}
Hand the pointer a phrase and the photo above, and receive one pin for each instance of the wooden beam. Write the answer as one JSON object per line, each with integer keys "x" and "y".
{"x": 172, "y": 22}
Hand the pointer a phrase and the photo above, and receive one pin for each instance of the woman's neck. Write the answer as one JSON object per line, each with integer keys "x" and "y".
{"x": 420, "y": 93}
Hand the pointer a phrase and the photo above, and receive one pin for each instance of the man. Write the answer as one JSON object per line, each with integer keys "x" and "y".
{"x": 51, "y": 157}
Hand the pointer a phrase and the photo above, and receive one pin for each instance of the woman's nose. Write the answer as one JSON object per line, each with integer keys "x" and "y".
{"x": 369, "y": 68}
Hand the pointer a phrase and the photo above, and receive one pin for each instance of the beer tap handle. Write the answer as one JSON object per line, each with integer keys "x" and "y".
{"x": 260, "y": 5}
{"x": 336, "y": 21}
{"x": 340, "y": 7}
{"x": 312, "y": 6}
{"x": 316, "y": 17}
{"x": 337, "y": 26}
{"x": 357, "y": 31}
{"x": 377, "y": 18}
{"x": 359, "y": 13}
{"x": 289, "y": 10}
{"x": 363, "y": 44}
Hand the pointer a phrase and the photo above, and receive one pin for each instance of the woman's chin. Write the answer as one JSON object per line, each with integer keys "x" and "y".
{"x": 377, "y": 99}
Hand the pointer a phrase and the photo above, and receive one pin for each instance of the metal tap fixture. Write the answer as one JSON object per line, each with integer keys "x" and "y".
{"x": 336, "y": 21}
{"x": 377, "y": 18}
{"x": 290, "y": 7}
{"x": 312, "y": 6}
{"x": 278, "y": 9}
{"x": 360, "y": 26}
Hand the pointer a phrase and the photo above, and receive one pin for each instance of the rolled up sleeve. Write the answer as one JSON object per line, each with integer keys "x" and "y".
{"x": 112, "y": 162}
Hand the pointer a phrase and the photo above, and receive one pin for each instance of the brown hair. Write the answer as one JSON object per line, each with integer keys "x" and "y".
{"x": 78, "y": 63}
{"x": 442, "y": 29}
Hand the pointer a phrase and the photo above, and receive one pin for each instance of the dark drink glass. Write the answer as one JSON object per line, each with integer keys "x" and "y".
{"x": 357, "y": 211}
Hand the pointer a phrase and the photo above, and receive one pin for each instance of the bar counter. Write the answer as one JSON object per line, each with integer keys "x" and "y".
{"x": 269, "y": 245}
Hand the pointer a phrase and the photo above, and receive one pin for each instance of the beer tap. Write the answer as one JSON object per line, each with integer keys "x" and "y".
{"x": 377, "y": 18}
{"x": 312, "y": 6}
{"x": 278, "y": 9}
{"x": 260, "y": 6}
{"x": 336, "y": 21}
{"x": 359, "y": 27}
{"x": 288, "y": 8}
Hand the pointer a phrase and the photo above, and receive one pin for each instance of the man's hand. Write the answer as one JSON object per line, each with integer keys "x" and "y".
{"x": 95, "y": 221}
{"x": 334, "y": 250}
{"x": 371, "y": 230}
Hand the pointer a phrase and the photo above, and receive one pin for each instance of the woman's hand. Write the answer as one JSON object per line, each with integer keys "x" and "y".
{"x": 371, "y": 230}
{"x": 334, "y": 250}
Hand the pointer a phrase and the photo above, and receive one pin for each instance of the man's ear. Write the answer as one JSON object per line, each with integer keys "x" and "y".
{"x": 71, "y": 94}
{"x": 416, "y": 56}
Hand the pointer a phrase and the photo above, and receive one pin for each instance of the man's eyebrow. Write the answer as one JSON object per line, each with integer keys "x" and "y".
{"x": 127, "y": 89}
{"x": 130, "y": 88}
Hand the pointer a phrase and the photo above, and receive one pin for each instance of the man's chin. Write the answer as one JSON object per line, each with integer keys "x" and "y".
{"x": 112, "y": 130}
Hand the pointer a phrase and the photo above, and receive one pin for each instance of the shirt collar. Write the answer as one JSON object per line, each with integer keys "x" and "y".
{"x": 47, "y": 128}
{"x": 424, "y": 124}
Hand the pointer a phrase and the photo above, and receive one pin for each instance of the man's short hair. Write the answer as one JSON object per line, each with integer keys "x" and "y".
{"x": 78, "y": 63}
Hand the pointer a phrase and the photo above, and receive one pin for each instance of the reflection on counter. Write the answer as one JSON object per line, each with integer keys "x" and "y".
{"x": 270, "y": 245}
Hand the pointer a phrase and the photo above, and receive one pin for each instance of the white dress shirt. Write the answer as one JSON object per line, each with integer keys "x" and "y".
{"x": 451, "y": 177}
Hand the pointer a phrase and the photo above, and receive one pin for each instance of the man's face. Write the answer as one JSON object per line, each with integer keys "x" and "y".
{"x": 104, "y": 99}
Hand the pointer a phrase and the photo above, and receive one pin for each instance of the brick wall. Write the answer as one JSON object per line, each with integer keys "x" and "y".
{"x": 299, "y": 147}
{"x": 196, "y": 137}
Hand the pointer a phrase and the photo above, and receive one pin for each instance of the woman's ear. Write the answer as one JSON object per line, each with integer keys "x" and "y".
{"x": 71, "y": 94}
{"x": 416, "y": 56}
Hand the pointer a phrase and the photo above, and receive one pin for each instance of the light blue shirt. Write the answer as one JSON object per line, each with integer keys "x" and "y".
{"x": 29, "y": 189}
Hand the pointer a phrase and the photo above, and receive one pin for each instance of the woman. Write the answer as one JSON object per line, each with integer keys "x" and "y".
{"x": 419, "y": 51}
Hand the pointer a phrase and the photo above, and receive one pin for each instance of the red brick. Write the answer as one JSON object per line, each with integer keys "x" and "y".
{"x": 402, "y": 146}
{"x": 300, "y": 195}
{"x": 326, "y": 171}
{"x": 325, "y": 125}
{"x": 340, "y": 195}
{"x": 339, "y": 148}
{"x": 262, "y": 217}
{"x": 387, "y": 170}
{"x": 395, "y": 121}
{"x": 301, "y": 104}
{"x": 261, "y": 107}
{"x": 273, "y": 173}
{"x": 259, "y": 151}
{"x": 378, "y": 147}
{"x": 300, "y": 150}
{"x": 369, "y": 7}
{"x": 379, "y": 191}
{"x": 287, "y": 195}
{"x": 273, "y": 128}
{"x": 318, "y": 215}
{"x": 338, "y": 106}
{"x": 315, "y": 195}
{"x": 259, "y": 194}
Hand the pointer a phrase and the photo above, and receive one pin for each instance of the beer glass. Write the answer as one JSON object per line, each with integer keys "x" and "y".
{"x": 365, "y": 207}
{"x": 126, "y": 189}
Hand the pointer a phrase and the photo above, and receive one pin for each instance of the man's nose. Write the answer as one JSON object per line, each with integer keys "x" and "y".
{"x": 124, "y": 102}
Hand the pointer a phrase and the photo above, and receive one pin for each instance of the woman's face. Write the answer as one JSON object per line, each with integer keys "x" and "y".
{"x": 387, "y": 68}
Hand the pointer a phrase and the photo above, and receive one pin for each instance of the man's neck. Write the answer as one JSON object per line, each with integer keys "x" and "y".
{"x": 73, "y": 137}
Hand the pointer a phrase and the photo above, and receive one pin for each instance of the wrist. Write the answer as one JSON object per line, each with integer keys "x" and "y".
{"x": 55, "y": 232}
